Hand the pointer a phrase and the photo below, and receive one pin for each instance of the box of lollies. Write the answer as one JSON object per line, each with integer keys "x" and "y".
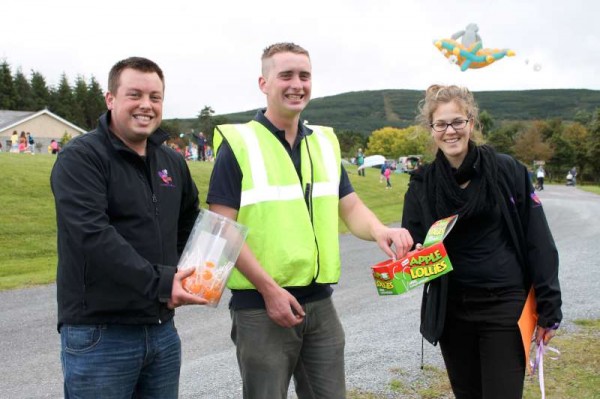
{"x": 212, "y": 250}
{"x": 397, "y": 276}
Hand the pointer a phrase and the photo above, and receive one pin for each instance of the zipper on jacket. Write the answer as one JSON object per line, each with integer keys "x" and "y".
{"x": 155, "y": 202}
{"x": 149, "y": 173}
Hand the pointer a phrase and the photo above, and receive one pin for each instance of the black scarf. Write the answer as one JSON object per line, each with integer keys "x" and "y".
{"x": 442, "y": 183}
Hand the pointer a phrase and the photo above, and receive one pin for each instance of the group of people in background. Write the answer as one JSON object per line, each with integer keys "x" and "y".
{"x": 540, "y": 176}
{"x": 21, "y": 143}
{"x": 197, "y": 148}
{"x": 24, "y": 143}
{"x": 121, "y": 233}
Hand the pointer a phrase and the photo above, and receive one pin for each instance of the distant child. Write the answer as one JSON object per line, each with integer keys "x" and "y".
{"x": 387, "y": 174}
{"x": 382, "y": 172}
{"x": 54, "y": 147}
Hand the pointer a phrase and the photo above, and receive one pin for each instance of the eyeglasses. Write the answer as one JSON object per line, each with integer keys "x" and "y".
{"x": 458, "y": 124}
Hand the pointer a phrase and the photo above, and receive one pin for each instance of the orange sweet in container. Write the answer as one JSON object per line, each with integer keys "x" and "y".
{"x": 204, "y": 283}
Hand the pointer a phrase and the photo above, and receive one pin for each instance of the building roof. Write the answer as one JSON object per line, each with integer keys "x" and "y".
{"x": 8, "y": 119}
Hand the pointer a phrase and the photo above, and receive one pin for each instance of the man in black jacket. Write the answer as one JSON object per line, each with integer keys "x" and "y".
{"x": 125, "y": 205}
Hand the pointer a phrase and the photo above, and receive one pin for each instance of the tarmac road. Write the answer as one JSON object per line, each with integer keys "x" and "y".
{"x": 381, "y": 332}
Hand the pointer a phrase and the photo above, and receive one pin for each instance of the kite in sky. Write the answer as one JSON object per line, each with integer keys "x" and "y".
{"x": 470, "y": 52}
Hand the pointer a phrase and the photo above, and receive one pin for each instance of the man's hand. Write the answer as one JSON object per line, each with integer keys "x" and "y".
{"x": 179, "y": 296}
{"x": 282, "y": 307}
{"x": 399, "y": 237}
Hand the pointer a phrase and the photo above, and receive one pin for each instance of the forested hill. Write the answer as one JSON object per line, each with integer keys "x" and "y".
{"x": 365, "y": 111}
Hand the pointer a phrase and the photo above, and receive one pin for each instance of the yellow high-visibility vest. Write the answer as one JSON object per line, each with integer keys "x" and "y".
{"x": 293, "y": 222}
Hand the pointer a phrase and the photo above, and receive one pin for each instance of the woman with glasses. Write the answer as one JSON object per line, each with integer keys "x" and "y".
{"x": 500, "y": 248}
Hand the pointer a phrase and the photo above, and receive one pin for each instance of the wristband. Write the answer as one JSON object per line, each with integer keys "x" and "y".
{"x": 553, "y": 326}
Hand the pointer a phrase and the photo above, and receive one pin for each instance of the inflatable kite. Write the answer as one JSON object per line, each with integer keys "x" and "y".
{"x": 470, "y": 53}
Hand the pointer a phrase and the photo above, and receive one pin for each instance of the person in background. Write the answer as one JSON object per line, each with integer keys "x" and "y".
{"x": 360, "y": 161}
{"x": 125, "y": 206}
{"x": 209, "y": 154}
{"x": 54, "y": 146}
{"x": 23, "y": 145}
{"x": 387, "y": 174}
{"x": 573, "y": 172}
{"x": 500, "y": 248}
{"x": 541, "y": 174}
{"x": 14, "y": 142}
{"x": 285, "y": 181}
{"x": 201, "y": 147}
{"x": 30, "y": 143}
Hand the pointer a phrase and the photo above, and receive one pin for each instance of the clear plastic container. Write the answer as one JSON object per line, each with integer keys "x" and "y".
{"x": 212, "y": 249}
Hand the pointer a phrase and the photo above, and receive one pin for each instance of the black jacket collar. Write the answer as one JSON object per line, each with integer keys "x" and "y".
{"x": 158, "y": 137}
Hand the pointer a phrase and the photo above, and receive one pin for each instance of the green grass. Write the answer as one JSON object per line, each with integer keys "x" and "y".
{"x": 591, "y": 189}
{"x": 28, "y": 223}
{"x": 28, "y": 227}
{"x": 573, "y": 375}
{"x": 386, "y": 204}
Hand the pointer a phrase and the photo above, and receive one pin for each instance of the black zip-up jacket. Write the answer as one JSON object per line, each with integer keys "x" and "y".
{"x": 526, "y": 223}
{"x": 122, "y": 223}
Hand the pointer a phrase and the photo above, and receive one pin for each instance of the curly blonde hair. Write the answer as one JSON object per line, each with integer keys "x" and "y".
{"x": 438, "y": 94}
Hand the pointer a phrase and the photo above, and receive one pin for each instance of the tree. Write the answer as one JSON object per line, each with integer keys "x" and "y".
{"x": 24, "y": 99}
{"x": 577, "y": 136}
{"x": 205, "y": 119}
{"x": 503, "y": 139}
{"x": 95, "y": 104}
{"x": 207, "y": 122}
{"x": 80, "y": 92}
{"x": 39, "y": 91}
{"x": 486, "y": 123}
{"x": 350, "y": 142}
{"x": 529, "y": 146}
{"x": 583, "y": 117}
{"x": 593, "y": 152}
{"x": 8, "y": 94}
{"x": 564, "y": 155}
{"x": 173, "y": 127}
{"x": 66, "y": 137}
{"x": 62, "y": 99}
{"x": 394, "y": 142}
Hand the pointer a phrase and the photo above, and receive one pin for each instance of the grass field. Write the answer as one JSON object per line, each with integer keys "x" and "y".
{"x": 28, "y": 224}
{"x": 572, "y": 375}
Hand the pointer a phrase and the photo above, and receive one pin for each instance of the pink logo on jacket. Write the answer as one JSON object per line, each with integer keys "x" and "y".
{"x": 167, "y": 180}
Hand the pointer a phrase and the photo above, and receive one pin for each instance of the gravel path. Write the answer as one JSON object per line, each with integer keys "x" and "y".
{"x": 381, "y": 332}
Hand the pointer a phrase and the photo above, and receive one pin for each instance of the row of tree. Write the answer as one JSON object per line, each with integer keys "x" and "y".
{"x": 81, "y": 103}
{"x": 561, "y": 145}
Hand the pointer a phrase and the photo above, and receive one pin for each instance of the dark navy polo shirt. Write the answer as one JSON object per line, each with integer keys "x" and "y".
{"x": 225, "y": 188}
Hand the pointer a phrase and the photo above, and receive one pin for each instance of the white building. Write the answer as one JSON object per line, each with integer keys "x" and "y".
{"x": 42, "y": 125}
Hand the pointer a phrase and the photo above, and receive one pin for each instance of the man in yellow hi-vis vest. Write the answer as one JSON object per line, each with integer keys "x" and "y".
{"x": 285, "y": 181}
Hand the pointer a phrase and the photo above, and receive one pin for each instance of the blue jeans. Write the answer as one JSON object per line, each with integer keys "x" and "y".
{"x": 121, "y": 361}
{"x": 312, "y": 352}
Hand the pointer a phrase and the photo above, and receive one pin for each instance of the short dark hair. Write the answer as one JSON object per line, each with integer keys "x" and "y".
{"x": 284, "y": 47}
{"x": 139, "y": 64}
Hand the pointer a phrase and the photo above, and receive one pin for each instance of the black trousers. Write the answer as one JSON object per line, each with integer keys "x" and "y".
{"x": 481, "y": 343}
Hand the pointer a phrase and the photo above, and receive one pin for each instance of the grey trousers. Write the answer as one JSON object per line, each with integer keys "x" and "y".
{"x": 312, "y": 352}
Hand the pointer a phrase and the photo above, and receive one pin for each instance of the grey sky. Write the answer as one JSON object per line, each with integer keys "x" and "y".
{"x": 210, "y": 50}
